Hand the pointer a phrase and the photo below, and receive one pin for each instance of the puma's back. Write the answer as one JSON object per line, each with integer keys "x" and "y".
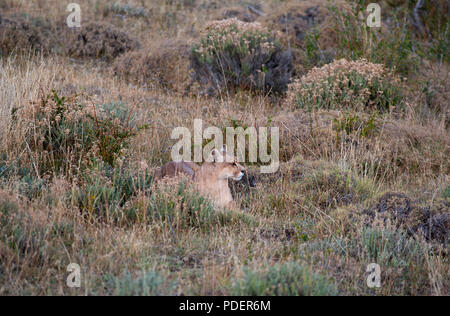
{"x": 173, "y": 169}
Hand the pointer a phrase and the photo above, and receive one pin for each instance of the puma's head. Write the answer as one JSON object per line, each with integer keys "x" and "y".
{"x": 227, "y": 166}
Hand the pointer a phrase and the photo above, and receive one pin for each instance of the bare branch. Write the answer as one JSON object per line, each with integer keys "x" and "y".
{"x": 416, "y": 18}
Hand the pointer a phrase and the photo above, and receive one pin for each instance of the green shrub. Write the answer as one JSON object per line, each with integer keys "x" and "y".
{"x": 148, "y": 283}
{"x": 289, "y": 278}
{"x": 407, "y": 40}
{"x": 440, "y": 46}
{"x": 104, "y": 192}
{"x": 6, "y": 209}
{"x": 20, "y": 235}
{"x": 351, "y": 123}
{"x": 182, "y": 208}
{"x": 358, "y": 85}
{"x": 28, "y": 185}
{"x": 389, "y": 248}
{"x": 65, "y": 137}
{"x": 330, "y": 188}
{"x": 233, "y": 54}
{"x": 113, "y": 130}
{"x": 446, "y": 192}
{"x": 125, "y": 9}
{"x": 313, "y": 54}
{"x": 431, "y": 27}
{"x": 355, "y": 39}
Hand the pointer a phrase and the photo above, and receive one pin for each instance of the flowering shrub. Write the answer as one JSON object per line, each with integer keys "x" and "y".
{"x": 63, "y": 135}
{"x": 234, "y": 54}
{"x": 357, "y": 84}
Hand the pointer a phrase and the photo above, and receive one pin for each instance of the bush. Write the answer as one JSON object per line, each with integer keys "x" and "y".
{"x": 330, "y": 188}
{"x": 22, "y": 34}
{"x": 389, "y": 248}
{"x": 7, "y": 208}
{"x": 127, "y": 10}
{"x": 93, "y": 40}
{"x": 430, "y": 221}
{"x": 289, "y": 278}
{"x": 99, "y": 40}
{"x": 28, "y": 185}
{"x": 358, "y": 85}
{"x": 163, "y": 65}
{"x": 352, "y": 123}
{"x": 296, "y": 18}
{"x": 403, "y": 260}
{"x": 237, "y": 55}
{"x": 21, "y": 238}
{"x": 31, "y": 187}
{"x": 148, "y": 283}
{"x": 65, "y": 136}
{"x": 105, "y": 191}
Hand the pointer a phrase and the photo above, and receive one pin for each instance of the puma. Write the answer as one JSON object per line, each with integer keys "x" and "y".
{"x": 211, "y": 178}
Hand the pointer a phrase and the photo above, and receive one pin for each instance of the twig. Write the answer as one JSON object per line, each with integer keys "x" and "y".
{"x": 287, "y": 32}
{"x": 32, "y": 160}
{"x": 299, "y": 140}
{"x": 416, "y": 18}
{"x": 255, "y": 11}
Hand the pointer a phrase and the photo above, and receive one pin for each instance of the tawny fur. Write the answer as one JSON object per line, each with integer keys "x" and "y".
{"x": 211, "y": 178}
{"x": 173, "y": 169}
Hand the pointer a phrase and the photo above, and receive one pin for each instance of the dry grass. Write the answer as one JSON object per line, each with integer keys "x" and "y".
{"x": 306, "y": 225}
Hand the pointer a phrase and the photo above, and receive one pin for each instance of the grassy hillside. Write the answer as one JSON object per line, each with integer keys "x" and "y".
{"x": 86, "y": 116}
